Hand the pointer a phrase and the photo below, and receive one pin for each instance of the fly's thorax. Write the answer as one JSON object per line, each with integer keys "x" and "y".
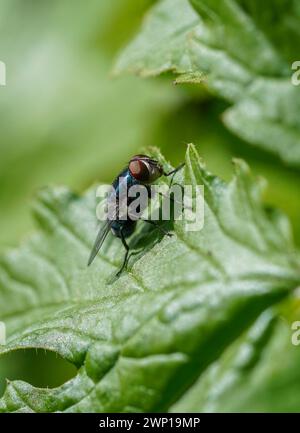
{"x": 130, "y": 198}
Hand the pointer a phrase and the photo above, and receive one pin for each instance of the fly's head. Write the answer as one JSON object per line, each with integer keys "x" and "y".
{"x": 145, "y": 169}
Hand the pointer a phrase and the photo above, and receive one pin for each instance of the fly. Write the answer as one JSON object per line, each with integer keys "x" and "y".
{"x": 141, "y": 170}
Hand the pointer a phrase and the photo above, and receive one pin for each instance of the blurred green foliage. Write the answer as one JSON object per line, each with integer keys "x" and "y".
{"x": 64, "y": 119}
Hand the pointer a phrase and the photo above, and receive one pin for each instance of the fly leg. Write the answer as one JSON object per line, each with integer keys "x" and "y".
{"x": 161, "y": 229}
{"x": 173, "y": 172}
{"x": 125, "y": 261}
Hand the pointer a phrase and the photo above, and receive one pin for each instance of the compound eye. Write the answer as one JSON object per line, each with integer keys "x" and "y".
{"x": 140, "y": 170}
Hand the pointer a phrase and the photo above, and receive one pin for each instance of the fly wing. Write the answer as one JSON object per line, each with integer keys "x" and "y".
{"x": 113, "y": 211}
{"x": 103, "y": 232}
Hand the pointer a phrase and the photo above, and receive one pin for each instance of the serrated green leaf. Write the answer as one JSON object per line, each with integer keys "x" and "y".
{"x": 163, "y": 44}
{"x": 141, "y": 341}
{"x": 258, "y": 373}
{"x": 245, "y": 49}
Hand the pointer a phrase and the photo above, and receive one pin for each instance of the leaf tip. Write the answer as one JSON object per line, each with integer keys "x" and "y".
{"x": 193, "y": 155}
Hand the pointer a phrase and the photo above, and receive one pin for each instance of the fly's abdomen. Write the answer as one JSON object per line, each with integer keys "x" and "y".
{"x": 127, "y": 228}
